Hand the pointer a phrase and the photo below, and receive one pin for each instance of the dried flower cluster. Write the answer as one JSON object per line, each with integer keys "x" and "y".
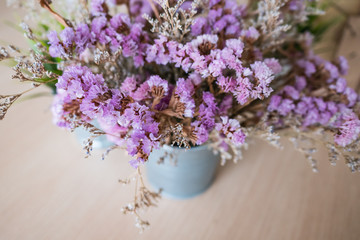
{"x": 191, "y": 73}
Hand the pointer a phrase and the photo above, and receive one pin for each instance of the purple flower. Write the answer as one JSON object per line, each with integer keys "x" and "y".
{"x": 312, "y": 117}
{"x": 300, "y": 83}
{"x": 199, "y": 51}
{"x": 291, "y": 92}
{"x": 78, "y": 94}
{"x": 180, "y": 57}
{"x": 340, "y": 85}
{"x": 242, "y": 91}
{"x": 214, "y": 15}
{"x": 308, "y": 66}
{"x": 58, "y": 111}
{"x": 231, "y": 129}
{"x": 351, "y": 95}
{"x": 133, "y": 116}
{"x": 264, "y": 75}
{"x": 209, "y": 101}
{"x": 220, "y": 19}
{"x": 217, "y": 65}
{"x": 321, "y": 105}
{"x": 251, "y": 33}
{"x": 285, "y": 107}
{"x": 92, "y": 107}
{"x": 225, "y": 105}
{"x": 343, "y": 65}
{"x": 129, "y": 85}
{"x": 157, "y": 84}
{"x": 349, "y": 129}
{"x": 140, "y": 145}
{"x": 56, "y": 49}
{"x": 201, "y": 132}
{"x": 332, "y": 69}
{"x": 77, "y": 79}
{"x": 121, "y": 23}
{"x": 199, "y": 41}
{"x": 227, "y": 84}
{"x": 82, "y": 37}
{"x": 98, "y": 7}
{"x": 195, "y": 78}
{"x": 141, "y": 92}
{"x": 207, "y": 110}
{"x": 67, "y": 36}
{"x": 158, "y": 52}
{"x": 274, "y": 103}
{"x": 53, "y": 38}
{"x": 325, "y": 118}
{"x": 98, "y": 29}
{"x": 273, "y": 64}
{"x": 262, "y": 72}
{"x": 185, "y": 90}
{"x": 301, "y": 108}
{"x": 331, "y": 106}
{"x": 235, "y": 45}
{"x": 200, "y": 26}
{"x": 296, "y": 5}
{"x": 138, "y": 8}
{"x": 232, "y": 27}
{"x": 220, "y": 25}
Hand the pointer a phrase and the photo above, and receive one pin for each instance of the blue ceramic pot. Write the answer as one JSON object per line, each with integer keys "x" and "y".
{"x": 184, "y": 173}
{"x": 100, "y": 142}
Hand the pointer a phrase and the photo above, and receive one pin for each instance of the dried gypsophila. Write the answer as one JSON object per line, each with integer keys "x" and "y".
{"x": 4, "y": 54}
{"x": 30, "y": 65}
{"x": 349, "y": 153}
{"x": 94, "y": 131}
{"x": 307, "y": 142}
{"x": 101, "y": 56}
{"x": 178, "y": 136}
{"x": 299, "y": 141}
{"x": 28, "y": 33}
{"x": 6, "y": 102}
{"x": 143, "y": 199}
{"x": 174, "y": 22}
{"x": 270, "y": 23}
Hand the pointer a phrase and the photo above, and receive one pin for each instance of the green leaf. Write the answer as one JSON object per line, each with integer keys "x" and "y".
{"x": 48, "y": 83}
{"x": 318, "y": 27}
{"x": 44, "y": 27}
{"x": 322, "y": 27}
{"x": 52, "y": 67}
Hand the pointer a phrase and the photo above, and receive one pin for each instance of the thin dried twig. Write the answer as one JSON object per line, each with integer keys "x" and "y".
{"x": 65, "y": 22}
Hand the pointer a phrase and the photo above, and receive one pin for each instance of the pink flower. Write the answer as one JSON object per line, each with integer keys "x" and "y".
{"x": 157, "y": 82}
{"x": 231, "y": 129}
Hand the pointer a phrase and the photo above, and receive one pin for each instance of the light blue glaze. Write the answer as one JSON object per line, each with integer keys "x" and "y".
{"x": 100, "y": 142}
{"x": 193, "y": 174}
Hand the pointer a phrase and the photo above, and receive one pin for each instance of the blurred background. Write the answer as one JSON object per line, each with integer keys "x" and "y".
{"x": 48, "y": 190}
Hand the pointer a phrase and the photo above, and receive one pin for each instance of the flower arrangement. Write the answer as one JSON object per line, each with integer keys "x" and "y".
{"x": 188, "y": 73}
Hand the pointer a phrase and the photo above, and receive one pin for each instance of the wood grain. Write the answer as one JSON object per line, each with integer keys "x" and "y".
{"x": 48, "y": 190}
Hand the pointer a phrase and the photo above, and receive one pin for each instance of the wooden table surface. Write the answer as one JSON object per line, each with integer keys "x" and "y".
{"x": 48, "y": 190}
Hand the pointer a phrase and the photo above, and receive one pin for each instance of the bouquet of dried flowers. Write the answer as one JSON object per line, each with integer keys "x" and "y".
{"x": 187, "y": 73}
